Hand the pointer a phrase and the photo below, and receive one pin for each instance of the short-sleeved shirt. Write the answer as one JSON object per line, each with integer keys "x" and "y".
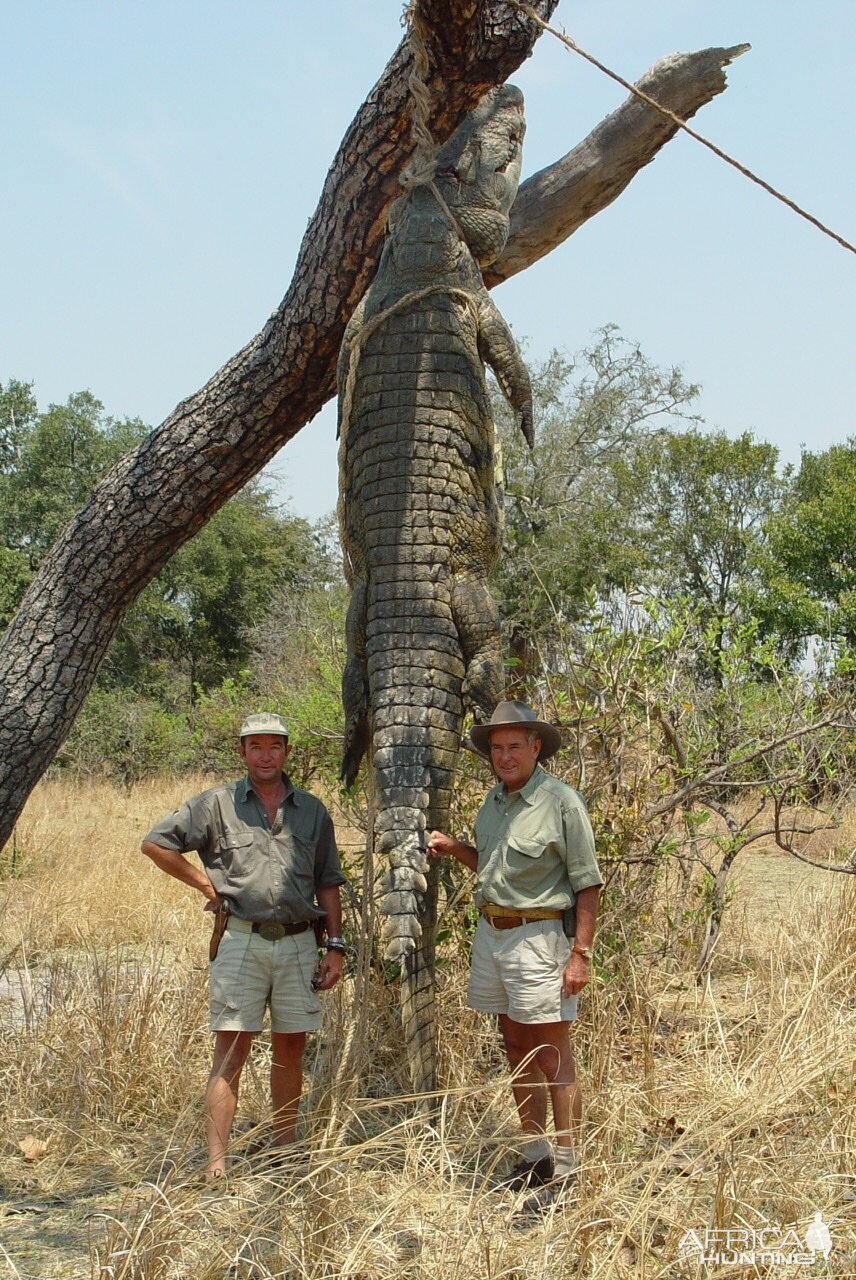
{"x": 535, "y": 845}
{"x": 264, "y": 871}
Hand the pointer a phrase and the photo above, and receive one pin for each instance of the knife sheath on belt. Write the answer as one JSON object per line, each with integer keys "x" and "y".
{"x": 221, "y": 919}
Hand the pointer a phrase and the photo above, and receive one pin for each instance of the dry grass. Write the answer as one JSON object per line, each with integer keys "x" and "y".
{"x": 726, "y": 1105}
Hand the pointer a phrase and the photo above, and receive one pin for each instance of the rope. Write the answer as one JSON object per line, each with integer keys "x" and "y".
{"x": 375, "y": 323}
{"x": 682, "y": 124}
{"x": 419, "y": 173}
{"x": 423, "y": 166}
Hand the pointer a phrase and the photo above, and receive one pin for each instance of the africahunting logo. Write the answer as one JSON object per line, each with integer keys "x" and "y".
{"x": 770, "y": 1246}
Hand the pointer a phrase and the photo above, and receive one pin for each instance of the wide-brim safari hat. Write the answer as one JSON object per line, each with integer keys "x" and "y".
{"x": 516, "y": 715}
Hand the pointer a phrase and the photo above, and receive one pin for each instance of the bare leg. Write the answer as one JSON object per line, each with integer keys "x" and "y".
{"x": 221, "y": 1099}
{"x": 556, "y": 1061}
{"x": 529, "y": 1083}
{"x": 286, "y": 1083}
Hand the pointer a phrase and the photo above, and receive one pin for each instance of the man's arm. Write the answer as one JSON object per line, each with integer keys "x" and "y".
{"x": 330, "y": 968}
{"x": 442, "y": 846}
{"x": 578, "y": 969}
{"x": 176, "y": 865}
{"x": 330, "y": 901}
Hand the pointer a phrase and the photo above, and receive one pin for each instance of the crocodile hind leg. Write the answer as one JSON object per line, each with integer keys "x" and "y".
{"x": 355, "y": 687}
{"x": 477, "y": 621}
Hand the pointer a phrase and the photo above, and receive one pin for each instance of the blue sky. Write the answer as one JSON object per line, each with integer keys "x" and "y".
{"x": 162, "y": 160}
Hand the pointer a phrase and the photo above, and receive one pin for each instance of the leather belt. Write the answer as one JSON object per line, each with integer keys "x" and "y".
{"x": 272, "y": 930}
{"x": 506, "y": 918}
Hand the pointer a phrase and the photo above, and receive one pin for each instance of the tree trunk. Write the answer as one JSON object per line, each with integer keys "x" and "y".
{"x": 215, "y": 441}
{"x": 716, "y": 910}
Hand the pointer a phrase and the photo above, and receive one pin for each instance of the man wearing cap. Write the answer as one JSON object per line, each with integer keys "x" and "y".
{"x": 537, "y": 890}
{"x": 270, "y": 873}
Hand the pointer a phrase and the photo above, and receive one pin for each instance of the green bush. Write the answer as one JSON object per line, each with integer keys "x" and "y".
{"x": 123, "y": 740}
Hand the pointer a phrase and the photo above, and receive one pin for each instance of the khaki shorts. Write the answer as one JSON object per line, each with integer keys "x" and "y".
{"x": 519, "y": 972}
{"x": 250, "y": 973}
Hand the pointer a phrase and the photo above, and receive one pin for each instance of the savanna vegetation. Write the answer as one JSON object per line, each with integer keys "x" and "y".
{"x": 684, "y": 606}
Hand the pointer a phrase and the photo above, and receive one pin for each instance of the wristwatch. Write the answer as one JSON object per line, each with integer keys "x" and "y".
{"x": 585, "y": 952}
{"x": 337, "y": 944}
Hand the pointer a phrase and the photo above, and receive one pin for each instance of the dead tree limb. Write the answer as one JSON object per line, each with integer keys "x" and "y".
{"x": 215, "y": 441}
{"x": 555, "y": 202}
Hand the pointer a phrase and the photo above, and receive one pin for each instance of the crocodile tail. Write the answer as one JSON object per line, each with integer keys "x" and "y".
{"x": 409, "y": 908}
{"x": 417, "y": 991}
{"x": 410, "y": 789}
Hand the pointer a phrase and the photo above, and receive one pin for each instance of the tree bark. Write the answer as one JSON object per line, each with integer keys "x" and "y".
{"x": 215, "y": 441}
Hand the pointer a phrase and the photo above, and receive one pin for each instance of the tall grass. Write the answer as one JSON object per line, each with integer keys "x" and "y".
{"x": 726, "y": 1104}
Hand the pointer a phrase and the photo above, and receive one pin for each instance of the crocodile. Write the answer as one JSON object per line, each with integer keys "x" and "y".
{"x": 420, "y": 521}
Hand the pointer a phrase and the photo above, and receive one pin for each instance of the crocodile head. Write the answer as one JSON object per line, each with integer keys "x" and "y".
{"x": 479, "y": 168}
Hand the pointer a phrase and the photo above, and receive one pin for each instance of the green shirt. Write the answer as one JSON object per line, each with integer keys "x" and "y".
{"x": 264, "y": 871}
{"x": 535, "y": 846}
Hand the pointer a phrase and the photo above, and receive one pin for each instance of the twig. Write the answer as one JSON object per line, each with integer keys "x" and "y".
{"x": 721, "y": 770}
{"x": 789, "y": 849}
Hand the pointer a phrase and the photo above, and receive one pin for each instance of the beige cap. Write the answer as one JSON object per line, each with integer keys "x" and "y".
{"x": 264, "y": 722}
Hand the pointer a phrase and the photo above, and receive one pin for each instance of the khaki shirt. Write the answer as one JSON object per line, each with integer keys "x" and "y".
{"x": 535, "y": 846}
{"x": 264, "y": 872}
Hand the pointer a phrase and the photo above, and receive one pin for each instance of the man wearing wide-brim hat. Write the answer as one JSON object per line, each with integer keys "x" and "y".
{"x": 537, "y": 892}
{"x": 270, "y": 874}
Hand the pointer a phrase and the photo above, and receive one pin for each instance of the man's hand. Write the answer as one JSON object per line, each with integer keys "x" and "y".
{"x": 329, "y": 970}
{"x": 575, "y": 974}
{"x": 440, "y": 845}
{"x": 215, "y": 903}
{"x": 176, "y": 865}
{"x": 443, "y": 846}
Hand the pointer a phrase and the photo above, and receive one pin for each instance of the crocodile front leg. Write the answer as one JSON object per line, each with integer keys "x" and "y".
{"x": 500, "y": 352}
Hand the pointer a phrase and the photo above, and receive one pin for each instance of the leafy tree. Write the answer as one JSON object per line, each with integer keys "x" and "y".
{"x": 190, "y": 626}
{"x": 668, "y": 791}
{"x": 568, "y": 526}
{"x": 49, "y": 464}
{"x": 700, "y": 503}
{"x": 620, "y": 499}
{"x": 18, "y": 408}
{"x": 298, "y": 658}
{"x": 15, "y": 576}
{"x": 809, "y": 572}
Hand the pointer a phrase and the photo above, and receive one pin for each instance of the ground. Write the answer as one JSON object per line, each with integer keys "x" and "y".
{"x": 721, "y": 1104}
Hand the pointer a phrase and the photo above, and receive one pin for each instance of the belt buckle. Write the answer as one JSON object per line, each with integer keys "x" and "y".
{"x": 271, "y": 931}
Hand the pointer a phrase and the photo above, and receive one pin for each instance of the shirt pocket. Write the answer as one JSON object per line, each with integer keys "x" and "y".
{"x": 234, "y": 853}
{"x": 524, "y": 865}
{"x": 525, "y": 846}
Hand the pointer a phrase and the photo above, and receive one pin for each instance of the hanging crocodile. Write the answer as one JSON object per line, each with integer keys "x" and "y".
{"x": 419, "y": 518}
